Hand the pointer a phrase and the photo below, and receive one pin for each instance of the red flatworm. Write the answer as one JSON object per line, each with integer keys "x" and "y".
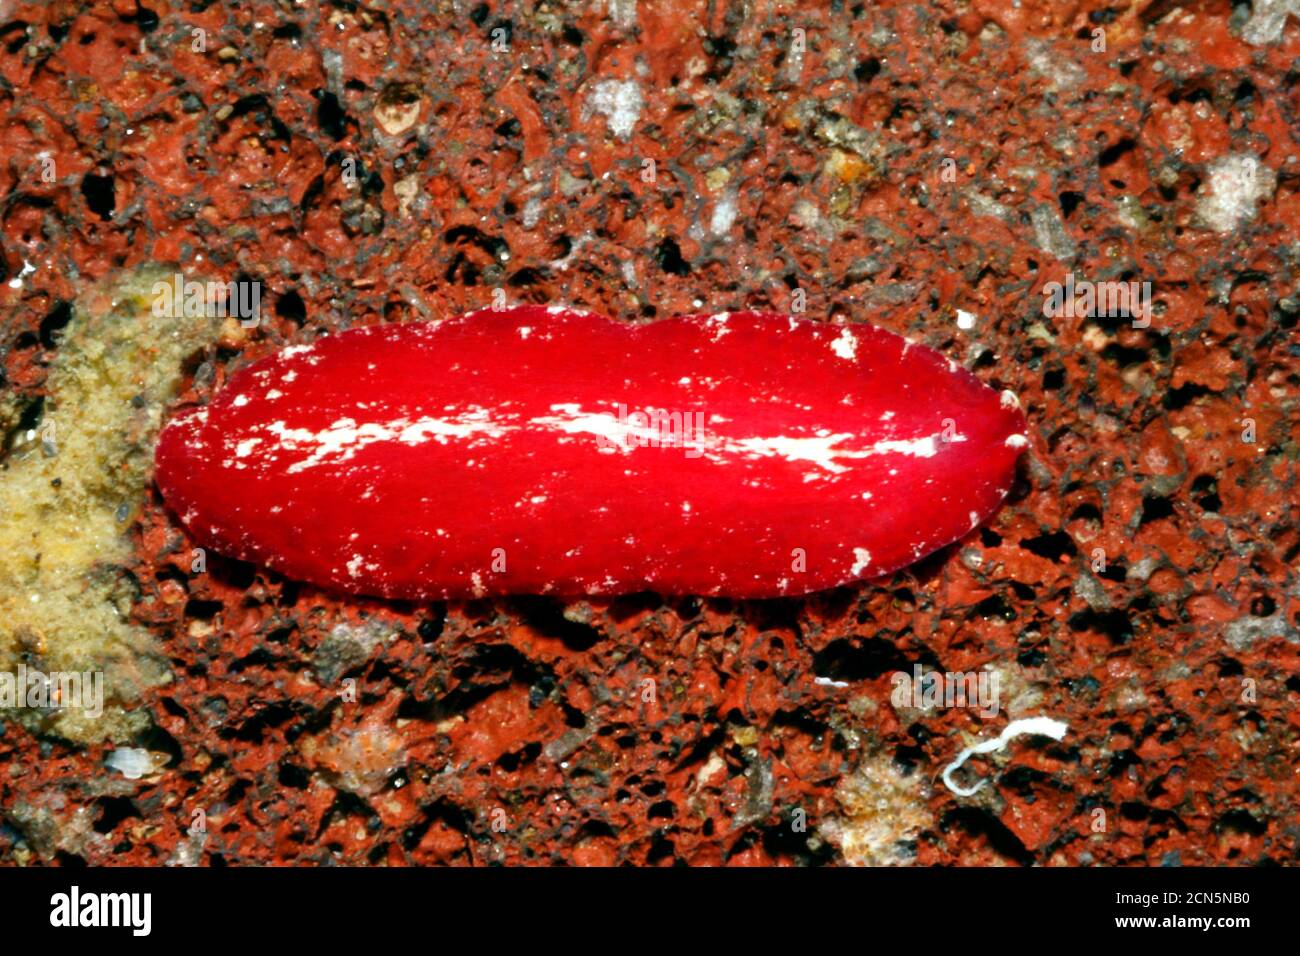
{"x": 544, "y": 450}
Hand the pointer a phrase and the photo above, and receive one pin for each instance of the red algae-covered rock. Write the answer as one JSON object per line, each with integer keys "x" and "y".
{"x": 536, "y": 450}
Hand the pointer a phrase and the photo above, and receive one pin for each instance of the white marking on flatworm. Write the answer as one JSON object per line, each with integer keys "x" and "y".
{"x": 344, "y": 438}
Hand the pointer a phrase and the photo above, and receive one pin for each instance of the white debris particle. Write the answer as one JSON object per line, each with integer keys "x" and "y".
{"x": 1050, "y": 234}
{"x": 1054, "y": 65}
{"x": 532, "y": 213}
{"x": 1267, "y": 18}
{"x": 1016, "y": 441}
{"x": 861, "y": 561}
{"x": 17, "y": 281}
{"x": 622, "y": 12}
{"x": 619, "y": 101}
{"x": 1236, "y": 183}
{"x": 724, "y": 214}
{"x": 1035, "y": 726}
{"x": 132, "y": 762}
{"x": 846, "y": 346}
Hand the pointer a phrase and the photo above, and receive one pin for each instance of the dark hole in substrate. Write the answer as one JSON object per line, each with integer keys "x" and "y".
{"x": 54, "y": 322}
{"x": 18, "y": 27}
{"x": 720, "y": 50}
{"x": 257, "y": 657}
{"x": 669, "y": 257}
{"x": 431, "y": 627}
{"x": 1031, "y": 657}
{"x": 1241, "y": 821}
{"x": 853, "y": 659}
{"x": 156, "y": 739}
{"x": 440, "y": 811}
{"x": 867, "y": 70}
{"x": 1122, "y": 760}
{"x": 546, "y": 616}
{"x": 254, "y": 729}
{"x": 1124, "y": 355}
{"x": 203, "y": 610}
{"x": 1262, "y": 606}
{"x": 494, "y": 246}
{"x": 1229, "y": 667}
{"x": 462, "y": 270}
{"x": 510, "y": 762}
{"x": 1114, "y": 624}
{"x": 528, "y": 275}
{"x": 231, "y": 571}
{"x": 783, "y": 841}
{"x": 100, "y": 193}
{"x": 980, "y": 824}
{"x": 1111, "y": 154}
{"x": 995, "y": 605}
{"x": 1183, "y": 395}
{"x": 330, "y": 115}
{"x": 1114, "y": 571}
{"x": 293, "y": 776}
{"x": 1053, "y": 546}
{"x": 1086, "y": 512}
{"x": 146, "y": 19}
{"x": 661, "y": 849}
{"x": 112, "y": 811}
{"x": 290, "y": 306}
{"x": 255, "y": 103}
{"x": 1205, "y": 492}
{"x": 1155, "y": 508}
{"x": 1134, "y": 811}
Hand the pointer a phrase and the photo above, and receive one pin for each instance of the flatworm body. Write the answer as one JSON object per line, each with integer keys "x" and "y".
{"x": 544, "y": 450}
